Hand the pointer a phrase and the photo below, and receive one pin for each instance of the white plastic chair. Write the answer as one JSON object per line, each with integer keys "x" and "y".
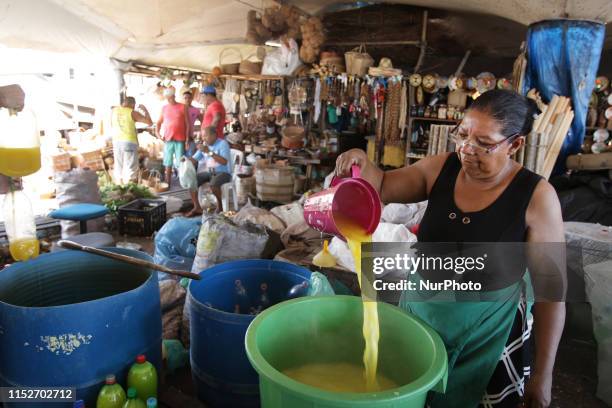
{"x": 236, "y": 157}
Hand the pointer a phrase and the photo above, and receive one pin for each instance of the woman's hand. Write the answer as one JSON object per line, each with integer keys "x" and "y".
{"x": 346, "y": 160}
{"x": 537, "y": 391}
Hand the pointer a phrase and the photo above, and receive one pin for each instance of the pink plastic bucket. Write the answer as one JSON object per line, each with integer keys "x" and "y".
{"x": 353, "y": 197}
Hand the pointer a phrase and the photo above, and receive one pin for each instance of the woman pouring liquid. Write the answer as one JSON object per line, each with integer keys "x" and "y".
{"x": 480, "y": 194}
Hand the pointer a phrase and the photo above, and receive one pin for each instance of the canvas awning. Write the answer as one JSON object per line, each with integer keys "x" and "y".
{"x": 192, "y": 33}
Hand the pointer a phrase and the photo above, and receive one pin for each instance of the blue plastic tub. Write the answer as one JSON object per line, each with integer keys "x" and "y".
{"x": 70, "y": 318}
{"x": 222, "y": 374}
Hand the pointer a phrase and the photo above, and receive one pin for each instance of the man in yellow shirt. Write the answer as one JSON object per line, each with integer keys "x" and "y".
{"x": 125, "y": 140}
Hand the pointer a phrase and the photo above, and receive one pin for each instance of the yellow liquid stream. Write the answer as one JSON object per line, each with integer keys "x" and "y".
{"x": 24, "y": 249}
{"x": 355, "y": 235}
{"x": 19, "y": 162}
{"x": 337, "y": 377}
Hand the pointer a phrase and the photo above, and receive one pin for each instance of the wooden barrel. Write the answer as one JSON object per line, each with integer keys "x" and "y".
{"x": 274, "y": 183}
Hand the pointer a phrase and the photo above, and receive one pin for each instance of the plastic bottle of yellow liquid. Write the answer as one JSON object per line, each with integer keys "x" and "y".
{"x": 143, "y": 378}
{"x": 111, "y": 395}
{"x": 324, "y": 259}
{"x": 133, "y": 401}
{"x": 19, "y": 143}
{"x": 20, "y": 226}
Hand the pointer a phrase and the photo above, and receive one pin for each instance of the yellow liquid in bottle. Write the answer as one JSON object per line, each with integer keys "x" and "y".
{"x": 19, "y": 162}
{"x": 337, "y": 377}
{"x": 24, "y": 249}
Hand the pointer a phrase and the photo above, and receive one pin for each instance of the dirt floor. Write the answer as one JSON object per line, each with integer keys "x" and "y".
{"x": 575, "y": 376}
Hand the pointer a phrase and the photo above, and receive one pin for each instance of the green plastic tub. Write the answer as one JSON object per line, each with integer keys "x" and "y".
{"x": 329, "y": 329}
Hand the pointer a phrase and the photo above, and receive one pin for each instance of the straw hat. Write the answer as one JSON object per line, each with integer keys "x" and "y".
{"x": 385, "y": 63}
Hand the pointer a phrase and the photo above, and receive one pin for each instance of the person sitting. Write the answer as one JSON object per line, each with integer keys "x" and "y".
{"x": 215, "y": 155}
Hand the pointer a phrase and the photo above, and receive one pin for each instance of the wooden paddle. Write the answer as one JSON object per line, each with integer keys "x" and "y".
{"x": 127, "y": 259}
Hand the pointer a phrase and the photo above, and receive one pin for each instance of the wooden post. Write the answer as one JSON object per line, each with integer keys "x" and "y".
{"x": 423, "y": 45}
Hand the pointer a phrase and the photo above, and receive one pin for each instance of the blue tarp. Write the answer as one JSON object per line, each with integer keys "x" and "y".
{"x": 562, "y": 59}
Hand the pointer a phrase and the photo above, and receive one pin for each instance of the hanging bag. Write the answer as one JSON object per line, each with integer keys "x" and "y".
{"x": 358, "y": 61}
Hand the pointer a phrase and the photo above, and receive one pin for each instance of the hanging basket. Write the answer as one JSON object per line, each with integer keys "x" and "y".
{"x": 229, "y": 68}
{"x": 358, "y": 61}
{"x": 248, "y": 67}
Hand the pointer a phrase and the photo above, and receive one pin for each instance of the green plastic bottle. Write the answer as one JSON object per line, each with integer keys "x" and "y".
{"x": 143, "y": 378}
{"x": 111, "y": 395}
{"x": 133, "y": 401}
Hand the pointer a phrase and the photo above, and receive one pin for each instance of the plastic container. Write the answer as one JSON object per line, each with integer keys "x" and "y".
{"x": 329, "y": 329}
{"x": 141, "y": 217}
{"x": 133, "y": 400}
{"x": 20, "y": 226}
{"x": 220, "y": 369}
{"x": 352, "y": 198}
{"x": 68, "y": 318}
{"x": 143, "y": 378}
{"x": 111, "y": 395}
{"x": 19, "y": 143}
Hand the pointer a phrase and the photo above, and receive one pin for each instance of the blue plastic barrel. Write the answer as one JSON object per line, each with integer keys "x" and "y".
{"x": 222, "y": 374}
{"x": 69, "y": 318}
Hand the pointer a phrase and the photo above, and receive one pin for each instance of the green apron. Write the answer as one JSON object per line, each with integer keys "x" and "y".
{"x": 475, "y": 334}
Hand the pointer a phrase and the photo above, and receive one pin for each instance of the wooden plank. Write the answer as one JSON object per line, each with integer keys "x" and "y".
{"x": 601, "y": 161}
{"x": 555, "y": 146}
{"x": 546, "y": 116}
{"x": 254, "y": 77}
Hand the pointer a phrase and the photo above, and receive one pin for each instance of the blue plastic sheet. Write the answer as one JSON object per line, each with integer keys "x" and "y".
{"x": 562, "y": 59}
{"x": 175, "y": 244}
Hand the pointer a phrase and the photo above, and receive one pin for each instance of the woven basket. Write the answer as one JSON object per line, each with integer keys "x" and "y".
{"x": 229, "y": 68}
{"x": 293, "y": 137}
{"x": 250, "y": 67}
{"x": 358, "y": 61}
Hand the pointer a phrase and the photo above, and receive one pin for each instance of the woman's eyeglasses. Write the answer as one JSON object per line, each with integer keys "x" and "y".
{"x": 477, "y": 147}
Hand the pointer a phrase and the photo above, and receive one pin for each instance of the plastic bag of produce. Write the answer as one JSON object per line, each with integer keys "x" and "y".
{"x": 75, "y": 187}
{"x": 172, "y": 299}
{"x": 405, "y": 214}
{"x": 260, "y": 216}
{"x": 290, "y": 213}
{"x": 222, "y": 239}
{"x": 187, "y": 175}
{"x": 175, "y": 244}
{"x": 598, "y": 284}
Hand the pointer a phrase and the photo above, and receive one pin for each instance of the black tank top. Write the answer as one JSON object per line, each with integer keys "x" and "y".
{"x": 502, "y": 221}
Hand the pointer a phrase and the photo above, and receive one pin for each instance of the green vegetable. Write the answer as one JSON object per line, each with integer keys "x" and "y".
{"x": 114, "y": 196}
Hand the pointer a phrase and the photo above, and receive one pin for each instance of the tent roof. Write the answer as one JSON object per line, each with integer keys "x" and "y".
{"x": 521, "y": 11}
{"x": 192, "y": 33}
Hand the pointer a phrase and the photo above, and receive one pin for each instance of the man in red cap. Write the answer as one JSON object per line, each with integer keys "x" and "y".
{"x": 215, "y": 112}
